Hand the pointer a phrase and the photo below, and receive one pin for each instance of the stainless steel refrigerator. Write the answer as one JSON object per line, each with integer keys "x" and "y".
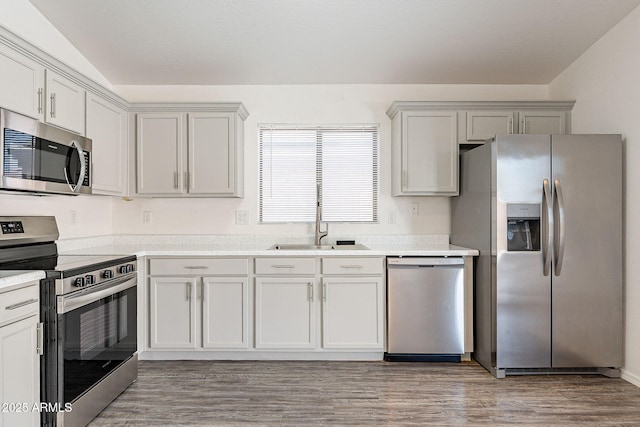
{"x": 545, "y": 212}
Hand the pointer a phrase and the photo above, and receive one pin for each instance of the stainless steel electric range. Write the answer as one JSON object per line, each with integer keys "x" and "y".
{"x": 88, "y": 309}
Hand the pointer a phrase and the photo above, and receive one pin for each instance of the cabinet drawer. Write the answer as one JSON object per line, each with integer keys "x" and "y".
{"x": 199, "y": 266}
{"x": 286, "y": 266}
{"x": 19, "y": 303}
{"x": 352, "y": 266}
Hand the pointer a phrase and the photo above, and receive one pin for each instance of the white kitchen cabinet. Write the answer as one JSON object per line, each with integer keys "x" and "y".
{"x": 65, "y": 103}
{"x": 285, "y": 313}
{"x": 200, "y": 304}
{"x": 542, "y": 122}
{"x": 22, "y": 83}
{"x": 424, "y": 153}
{"x": 352, "y": 312}
{"x": 107, "y": 127}
{"x": 215, "y": 157}
{"x": 353, "y": 303}
{"x": 173, "y": 312}
{"x": 160, "y": 153}
{"x": 483, "y": 125}
{"x": 225, "y": 312}
{"x": 20, "y": 350}
{"x": 191, "y": 154}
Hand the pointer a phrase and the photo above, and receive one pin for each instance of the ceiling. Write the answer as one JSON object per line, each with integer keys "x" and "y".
{"x": 225, "y": 42}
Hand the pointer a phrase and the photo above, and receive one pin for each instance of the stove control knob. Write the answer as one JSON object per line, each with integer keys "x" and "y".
{"x": 90, "y": 279}
{"x": 79, "y": 282}
{"x": 107, "y": 274}
{"x": 130, "y": 268}
{"x": 122, "y": 269}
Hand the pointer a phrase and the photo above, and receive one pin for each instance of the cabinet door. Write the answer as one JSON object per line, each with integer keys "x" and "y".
{"x": 225, "y": 312}
{"x": 107, "y": 128}
{"x": 352, "y": 313}
{"x": 212, "y": 154}
{"x": 160, "y": 146}
{"x": 542, "y": 122}
{"x": 22, "y": 84}
{"x": 20, "y": 372}
{"x": 285, "y": 313}
{"x": 482, "y": 125}
{"x": 429, "y": 153}
{"x": 173, "y": 312}
{"x": 65, "y": 103}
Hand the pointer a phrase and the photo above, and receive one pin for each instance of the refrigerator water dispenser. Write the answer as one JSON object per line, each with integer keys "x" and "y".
{"x": 523, "y": 227}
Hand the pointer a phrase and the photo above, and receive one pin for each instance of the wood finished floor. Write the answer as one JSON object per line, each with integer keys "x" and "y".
{"x": 279, "y": 393}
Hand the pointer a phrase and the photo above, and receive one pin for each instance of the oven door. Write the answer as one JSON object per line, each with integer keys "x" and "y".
{"x": 97, "y": 331}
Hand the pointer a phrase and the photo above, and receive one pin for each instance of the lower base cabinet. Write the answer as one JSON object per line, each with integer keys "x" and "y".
{"x": 352, "y": 313}
{"x": 285, "y": 313}
{"x": 304, "y": 305}
{"x": 20, "y": 357}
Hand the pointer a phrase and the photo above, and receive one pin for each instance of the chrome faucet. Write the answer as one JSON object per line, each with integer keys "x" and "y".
{"x": 319, "y": 233}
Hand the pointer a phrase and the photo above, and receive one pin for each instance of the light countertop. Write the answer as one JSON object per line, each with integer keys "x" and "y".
{"x": 10, "y": 280}
{"x": 230, "y": 246}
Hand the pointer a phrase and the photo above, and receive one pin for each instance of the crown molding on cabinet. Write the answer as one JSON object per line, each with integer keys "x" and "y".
{"x": 17, "y": 43}
{"x": 193, "y": 107}
{"x": 398, "y": 106}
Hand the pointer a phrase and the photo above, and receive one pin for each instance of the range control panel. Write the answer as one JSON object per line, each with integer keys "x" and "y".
{"x": 11, "y": 227}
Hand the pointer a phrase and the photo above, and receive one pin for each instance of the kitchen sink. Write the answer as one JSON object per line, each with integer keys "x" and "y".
{"x": 311, "y": 247}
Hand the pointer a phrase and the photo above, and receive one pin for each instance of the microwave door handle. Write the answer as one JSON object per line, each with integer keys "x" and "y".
{"x": 83, "y": 168}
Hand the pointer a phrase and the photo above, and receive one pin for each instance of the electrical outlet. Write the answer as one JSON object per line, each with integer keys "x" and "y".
{"x": 242, "y": 217}
{"x": 146, "y": 217}
{"x": 415, "y": 209}
{"x": 73, "y": 217}
{"x": 391, "y": 217}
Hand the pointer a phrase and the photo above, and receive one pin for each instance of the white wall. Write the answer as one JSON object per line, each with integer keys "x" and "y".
{"x": 22, "y": 18}
{"x": 77, "y": 216}
{"x": 313, "y": 104}
{"x": 604, "y": 81}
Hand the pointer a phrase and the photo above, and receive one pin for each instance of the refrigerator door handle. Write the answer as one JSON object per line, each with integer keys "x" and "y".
{"x": 547, "y": 224}
{"x": 560, "y": 235}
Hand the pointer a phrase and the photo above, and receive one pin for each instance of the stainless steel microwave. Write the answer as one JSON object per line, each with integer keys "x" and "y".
{"x": 37, "y": 157}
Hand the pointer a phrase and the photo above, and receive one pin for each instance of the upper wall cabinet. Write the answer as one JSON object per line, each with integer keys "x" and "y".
{"x": 424, "y": 152}
{"x": 107, "y": 128}
{"x": 65, "y": 103}
{"x": 484, "y": 120}
{"x": 426, "y": 135}
{"x": 198, "y": 154}
{"x": 22, "y": 84}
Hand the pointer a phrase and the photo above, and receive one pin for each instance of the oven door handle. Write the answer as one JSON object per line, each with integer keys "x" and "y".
{"x": 66, "y": 304}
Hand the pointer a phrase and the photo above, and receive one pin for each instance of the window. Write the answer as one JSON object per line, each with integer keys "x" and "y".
{"x": 339, "y": 163}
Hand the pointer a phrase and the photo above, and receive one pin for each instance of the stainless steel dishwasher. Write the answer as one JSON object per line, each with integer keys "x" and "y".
{"x": 425, "y": 309}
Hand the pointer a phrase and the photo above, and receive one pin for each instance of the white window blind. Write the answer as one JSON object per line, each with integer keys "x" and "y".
{"x": 341, "y": 160}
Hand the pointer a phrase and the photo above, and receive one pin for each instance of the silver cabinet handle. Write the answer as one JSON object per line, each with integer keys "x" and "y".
{"x": 310, "y": 288}
{"x": 21, "y": 304}
{"x": 324, "y": 292}
{"x": 196, "y": 267}
{"x": 547, "y": 227}
{"x": 351, "y": 266}
{"x": 404, "y": 179}
{"x": 523, "y": 125}
{"x": 53, "y": 105}
{"x": 282, "y": 266}
{"x": 40, "y": 339}
{"x": 39, "y": 100}
{"x": 559, "y": 237}
{"x": 511, "y": 125}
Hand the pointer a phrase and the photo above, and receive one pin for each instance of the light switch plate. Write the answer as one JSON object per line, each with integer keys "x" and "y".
{"x": 242, "y": 217}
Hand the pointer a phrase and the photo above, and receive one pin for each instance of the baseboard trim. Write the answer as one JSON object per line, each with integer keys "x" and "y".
{"x": 630, "y": 377}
